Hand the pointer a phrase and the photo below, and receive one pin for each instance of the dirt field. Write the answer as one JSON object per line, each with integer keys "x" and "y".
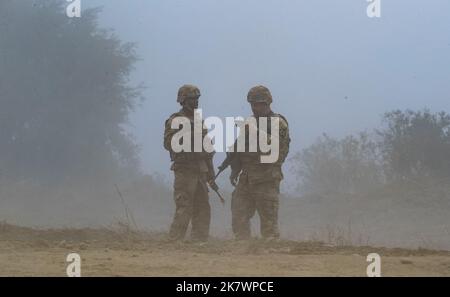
{"x": 118, "y": 252}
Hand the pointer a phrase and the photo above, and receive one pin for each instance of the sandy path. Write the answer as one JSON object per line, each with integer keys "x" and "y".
{"x": 27, "y": 252}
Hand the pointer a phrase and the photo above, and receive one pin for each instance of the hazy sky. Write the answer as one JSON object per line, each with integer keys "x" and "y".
{"x": 330, "y": 68}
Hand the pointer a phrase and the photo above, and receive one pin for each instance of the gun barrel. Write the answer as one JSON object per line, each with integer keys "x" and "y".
{"x": 220, "y": 197}
{"x": 221, "y": 169}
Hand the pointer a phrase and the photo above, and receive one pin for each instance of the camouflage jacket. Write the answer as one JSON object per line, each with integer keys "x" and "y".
{"x": 195, "y": 161}
{"x": 250, "y": 162}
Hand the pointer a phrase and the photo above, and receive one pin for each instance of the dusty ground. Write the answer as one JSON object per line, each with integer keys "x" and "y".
{"x": 118, "y": 252}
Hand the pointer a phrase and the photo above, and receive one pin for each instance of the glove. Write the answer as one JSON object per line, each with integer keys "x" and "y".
{"x": 213, "y": 185}
{"x": 234, "y": 178}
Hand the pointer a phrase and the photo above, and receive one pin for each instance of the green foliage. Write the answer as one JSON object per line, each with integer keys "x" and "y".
{"x": 416, "y": 144}
{"x": 338, "y": 166}
{"x": 64, "y": 93}
{"x": 412, "y": 146}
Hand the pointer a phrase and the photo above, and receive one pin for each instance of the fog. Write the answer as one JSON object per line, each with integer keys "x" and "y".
{"x": 330, "y": 68}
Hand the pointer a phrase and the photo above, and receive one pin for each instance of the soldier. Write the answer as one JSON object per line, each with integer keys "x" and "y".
{"x": 258, "y": 184}
{"x": 193, "y": 171}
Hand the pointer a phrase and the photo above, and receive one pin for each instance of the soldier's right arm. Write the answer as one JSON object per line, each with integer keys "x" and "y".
{"x": 168, "y": 133}
{"x": 235, "y": 164}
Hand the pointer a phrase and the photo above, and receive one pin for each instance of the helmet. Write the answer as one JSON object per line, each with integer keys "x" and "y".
{"x": 259, "y": 94}
{"x": 187, "y": 91}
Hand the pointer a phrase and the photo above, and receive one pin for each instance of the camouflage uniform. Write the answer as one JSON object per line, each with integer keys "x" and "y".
{"x": 192, "y": 170}
{"x": 259, "y": 183}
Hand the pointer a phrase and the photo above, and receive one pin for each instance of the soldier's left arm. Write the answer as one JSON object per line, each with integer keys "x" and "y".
{"x": 284, "y": 139}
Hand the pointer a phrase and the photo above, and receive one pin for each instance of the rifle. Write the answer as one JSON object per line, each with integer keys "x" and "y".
{"x": 227, "y": 162}
{"x": 215, "y": 188}
{"x": 212, "y": 184}
{"x": 232, "y": 161}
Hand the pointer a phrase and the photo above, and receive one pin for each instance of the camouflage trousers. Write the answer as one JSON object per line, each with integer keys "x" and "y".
{"x": 248, "y": 199}
{"x": 192, "y": 206}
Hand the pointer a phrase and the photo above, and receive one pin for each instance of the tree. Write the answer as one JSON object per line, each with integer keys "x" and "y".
{"x": 331, "y": 166}
{"x": 65, "y": 95}
{"x": 416, "y": 144}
